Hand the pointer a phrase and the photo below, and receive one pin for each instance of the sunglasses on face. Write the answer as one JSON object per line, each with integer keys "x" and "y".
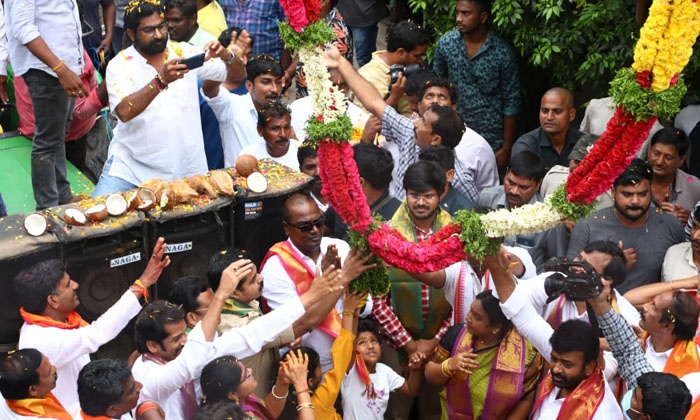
{"x": 308, "y": 226}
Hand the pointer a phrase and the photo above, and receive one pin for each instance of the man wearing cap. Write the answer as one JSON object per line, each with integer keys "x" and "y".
{"x": 554, "y": 139}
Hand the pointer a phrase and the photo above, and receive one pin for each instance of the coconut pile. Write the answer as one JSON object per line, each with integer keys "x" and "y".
{"x": 154, "y": 193}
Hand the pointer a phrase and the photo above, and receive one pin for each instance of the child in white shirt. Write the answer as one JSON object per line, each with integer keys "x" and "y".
{"x": 368, "y": 398}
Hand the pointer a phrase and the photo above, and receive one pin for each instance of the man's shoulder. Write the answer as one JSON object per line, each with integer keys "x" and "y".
{"x": 450, "y": 37}
{"x": 490, "y": 194}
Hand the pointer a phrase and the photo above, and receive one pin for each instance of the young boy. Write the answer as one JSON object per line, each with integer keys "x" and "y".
{"x": 368, "y": 398}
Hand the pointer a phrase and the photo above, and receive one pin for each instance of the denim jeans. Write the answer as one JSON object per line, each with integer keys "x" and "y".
{"x": 108, "y": 184}
{"x": 53, "y": 113}
{"x": 365, "y": 40}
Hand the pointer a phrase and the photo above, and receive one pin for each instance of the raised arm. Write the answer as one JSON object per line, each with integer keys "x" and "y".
{"x": 363, "y": 90}
{"x": 643, "y": 294}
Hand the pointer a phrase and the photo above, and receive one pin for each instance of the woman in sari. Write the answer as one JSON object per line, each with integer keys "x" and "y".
{"x": 489, "y": 369}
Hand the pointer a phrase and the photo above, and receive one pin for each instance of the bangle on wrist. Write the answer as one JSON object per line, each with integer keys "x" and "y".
{"x": 142, "y": 288}
{"x": 58, "y": 66}
{"x": 351, "y": 313}
{"x": 304, "y": 405}
{"x": 279, "y": 397}
{"x": 446, "y": 369}
{"x": 160, "y": 83}
{"x": 302, "y": 391}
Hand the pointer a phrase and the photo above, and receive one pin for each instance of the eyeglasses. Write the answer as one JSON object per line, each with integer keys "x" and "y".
{"x": 418, "y": 197}
{"x": 308, "y": 226}
{"x": 151, "y": 30}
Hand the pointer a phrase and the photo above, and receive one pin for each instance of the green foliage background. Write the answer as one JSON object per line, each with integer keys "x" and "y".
{"x": 579, "y": 44}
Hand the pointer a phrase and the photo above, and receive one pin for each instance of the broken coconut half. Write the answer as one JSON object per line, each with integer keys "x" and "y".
{"x": 147, "y": 200}
{"x": 222, "y": 182}
{"x": 73, "y": 216}
{"x": 167, "y": 199}
{"x": 116, "y": 205}
{"x": 96, "y": 213}
{"x": 256, "y": 182}
{"x": 35, "y": 224}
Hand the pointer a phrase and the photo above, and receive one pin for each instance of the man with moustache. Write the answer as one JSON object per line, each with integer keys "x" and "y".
{"x": 307, "y": 155}
{"x": 644, "y": 235}
{"x": 275, "y": 127}
{"x": 415, "y": 316}
{"x": 520, "y": 186}
{"x": 26, "y": 381}
{"x": 48, "y": 302}
{"x": 155, "y": 98}
{"x": 238, "y": 114}
{"x": 682, "y": 261}
{"x": 182, "y": 23}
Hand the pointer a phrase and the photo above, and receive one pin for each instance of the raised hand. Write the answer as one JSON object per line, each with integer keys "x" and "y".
{"x": 156, "y": 264}
{"x": 630, "y": 255}
{"x": 352, "y": 301}
{"x": 232, "y": 275}
{"x": 323, "y": 285}
{"x": 296, "y": 369}
{"x": 330, "y": 258}
{"x": 356, "y": 264}
{"x": 332, "y": 56}
{"x": 172, "y": 70}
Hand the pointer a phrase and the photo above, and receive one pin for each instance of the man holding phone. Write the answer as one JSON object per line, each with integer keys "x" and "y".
{"x": 152, "y": 88}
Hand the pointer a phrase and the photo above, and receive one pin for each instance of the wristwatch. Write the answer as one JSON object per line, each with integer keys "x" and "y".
{"x": 232, "y": 59}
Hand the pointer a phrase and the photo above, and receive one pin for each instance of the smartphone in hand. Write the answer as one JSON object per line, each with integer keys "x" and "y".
{"x": 193, "y": 62}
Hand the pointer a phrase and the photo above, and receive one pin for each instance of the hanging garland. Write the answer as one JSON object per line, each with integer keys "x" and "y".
{"x": 652, "y": 88}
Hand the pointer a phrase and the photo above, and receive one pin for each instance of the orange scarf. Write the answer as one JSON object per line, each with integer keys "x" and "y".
{"x": 581, "y": 403}
{"x": 47, "y": 407}
{"x": 683, "y": 360}
{"x": 302, "y": 276}
{"x": 89, "y": 417}
{"x": 73, "y": 321}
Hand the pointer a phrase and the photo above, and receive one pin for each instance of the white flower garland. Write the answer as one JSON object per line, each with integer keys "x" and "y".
{"x": 524, "y": 220}
{"x": 326, "y": 99}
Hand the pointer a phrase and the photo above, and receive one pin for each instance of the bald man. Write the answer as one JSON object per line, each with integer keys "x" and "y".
{"x": 554, "y": 139}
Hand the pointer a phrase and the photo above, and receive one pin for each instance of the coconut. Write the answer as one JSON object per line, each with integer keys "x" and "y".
{"x": 133, "y": 199}
{"x": 116, "y": 205}
{"x": 73, "y": 216}
{"x": 222, "y": 182}
{"x": 156, "y": 185}
{"x": 35, "y": 224}
{"x": 246, "y": 165}
{"x": 146, "y": 205}
{"x": 167, "y": 199}
{"x": 182, "y": 192}
{"x": 201, "y": 184}
{"x": 256, "y": 182}
{"x": 147, "y": 199}
{"x": 96, "y": 213}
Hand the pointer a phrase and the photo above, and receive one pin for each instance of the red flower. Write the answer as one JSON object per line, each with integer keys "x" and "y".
{"x": 319, "y": 118}
{"x": 296, "y": 14}
{"x": 644, "y": 79}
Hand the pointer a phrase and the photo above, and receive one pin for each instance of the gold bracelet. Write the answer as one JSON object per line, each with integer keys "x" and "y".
{"x": 58, "y": 66}
{"x": 304, "y": 405}
{"x": 446, "y": 369}
{"x": 302, "y": 391}
{"x": 351, "y": 313}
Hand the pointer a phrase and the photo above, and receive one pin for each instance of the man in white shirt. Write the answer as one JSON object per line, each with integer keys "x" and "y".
{"x": 682, "y": 260}
{"x": 238, "y": 114}
{"x": 275, "y": 127}
{"x": 182, "y": 24}
{"x": 107, "y": 389}
{"x": 171, "y": 359}
{"x": 26, "y": 380}
{"x": 575, "y": 386}
{"x": 159, "y": 134}
{"x": 290, "y": 266}
{"x": 51, "y": 325}
{"x": 46, "y": 49}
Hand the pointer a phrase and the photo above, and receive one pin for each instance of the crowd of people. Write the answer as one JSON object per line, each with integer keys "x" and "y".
{"x": 480, "y": 339}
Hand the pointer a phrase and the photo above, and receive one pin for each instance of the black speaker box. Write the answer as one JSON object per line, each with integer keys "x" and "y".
{"x": 193, "y": 234}
{"x": 18, "y": 250}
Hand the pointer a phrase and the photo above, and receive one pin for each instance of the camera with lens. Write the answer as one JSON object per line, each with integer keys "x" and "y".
{"x": 577, "y": 280}
{"x": 396, "y": 69}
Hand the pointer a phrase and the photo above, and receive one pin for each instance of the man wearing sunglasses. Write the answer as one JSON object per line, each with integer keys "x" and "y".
{"x": 654, "y": 395}
{"x": 292, "y": 266}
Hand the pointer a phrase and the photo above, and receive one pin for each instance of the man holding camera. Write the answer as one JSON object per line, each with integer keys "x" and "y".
{"x": 575, "y": 386}
{"x": 406, "y": 45}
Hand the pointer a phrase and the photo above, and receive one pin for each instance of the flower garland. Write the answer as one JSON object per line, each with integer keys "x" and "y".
{"x": 649, "y": 90}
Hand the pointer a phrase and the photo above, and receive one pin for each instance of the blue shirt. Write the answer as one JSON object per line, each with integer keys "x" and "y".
{"x": 260, "y": 18}
{"x": 210, "y": 129}
{"x": 488, "y": 84}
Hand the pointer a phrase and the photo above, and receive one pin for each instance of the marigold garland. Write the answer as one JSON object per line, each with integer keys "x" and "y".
{"x": 641, "y": 94}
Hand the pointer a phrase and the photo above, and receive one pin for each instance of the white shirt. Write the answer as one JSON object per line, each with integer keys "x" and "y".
{"x": 357, "y": 406}
{"x": 302, "y": 110}
{"x": 534, "y": 328}
{"x": 657, "y": 360}
{"x": 259, "y": 150}
{"x": 392, "y": 148}
{"x": 279, "y": 289}
{"x": 321, "y": 206}
{"x": 56, "y": 21}
{"x": 679, "y": 263}
{"x": 687, "y": 119}
{"x": 162, "y": 383}
{"x": 4, "y": 52}
{"x": 69, "y": 350}
{"x": 165, "y": 140}
{"x": 477, "y": 155}
{"x": 238, "y": 122}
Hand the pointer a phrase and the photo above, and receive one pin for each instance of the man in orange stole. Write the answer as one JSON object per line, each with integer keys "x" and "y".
{"x": 107, "y": 390}
{"x": 290, "y": 267}
{"x": 26, "y": 380}
{"x": 574, "y": 387}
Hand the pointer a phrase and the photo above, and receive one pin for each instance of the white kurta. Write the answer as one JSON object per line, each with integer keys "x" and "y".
{"x": 69, "y": 350}
{"x": 165, "y": 140}
{"x": 289, "y": 159}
